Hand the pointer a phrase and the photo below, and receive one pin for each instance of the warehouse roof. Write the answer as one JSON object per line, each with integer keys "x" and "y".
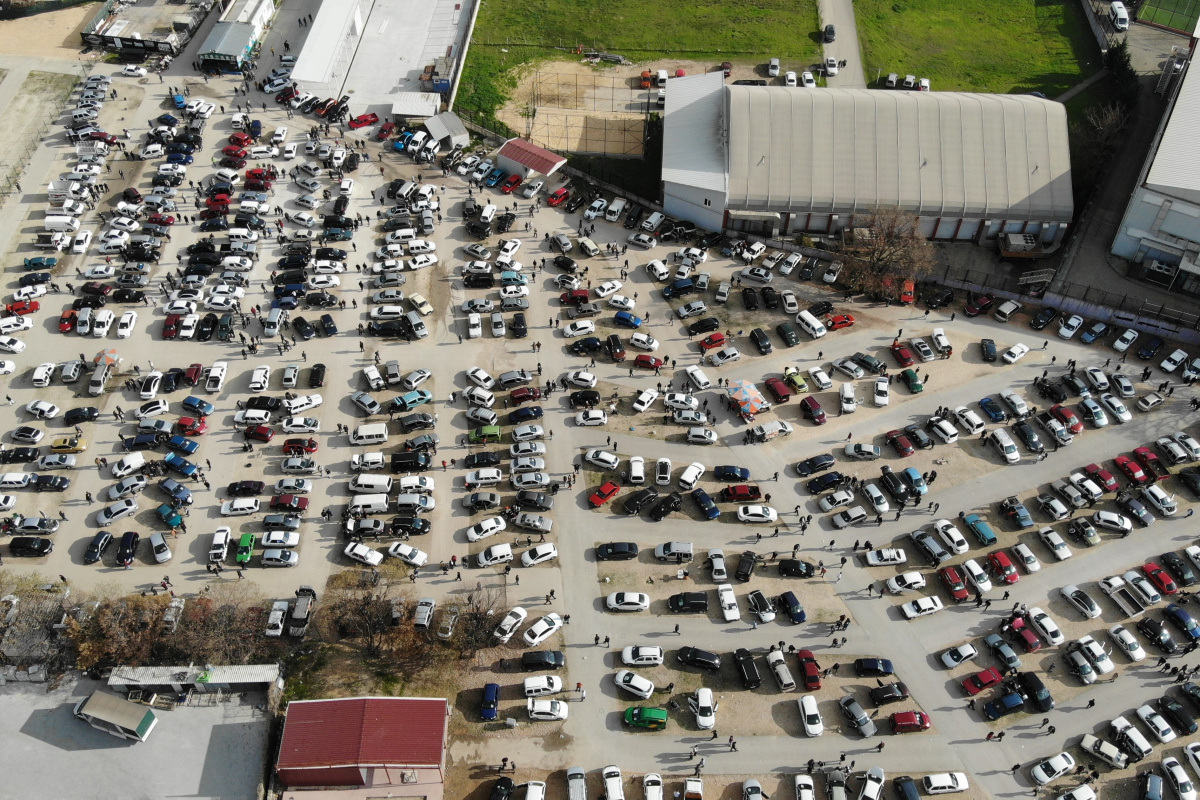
{"x": 694, "y": 126}
{"x": 363, "y": 731}
{"x": 847, "y": 151}
{"x": 1176, "y": 170}
{"x": 229, "y": 39}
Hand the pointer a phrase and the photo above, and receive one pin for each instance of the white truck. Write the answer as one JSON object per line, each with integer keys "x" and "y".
{"x": 65, "y": 190}
{"x": 91, "y": 148}
{"x": 693, "y": 789}
{"x": 1119, "y": 592}
{"x": 53, "y": 241}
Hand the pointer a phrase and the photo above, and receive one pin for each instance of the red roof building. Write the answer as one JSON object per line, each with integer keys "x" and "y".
{"x": 525, "y": 159}
{"x": 364, "y": 743}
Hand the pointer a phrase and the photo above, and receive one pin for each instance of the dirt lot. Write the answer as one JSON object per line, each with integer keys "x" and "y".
{"x": 54, "y": 34}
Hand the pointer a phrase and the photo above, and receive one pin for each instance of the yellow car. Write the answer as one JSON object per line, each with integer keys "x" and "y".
{"x": 69, "y": 444}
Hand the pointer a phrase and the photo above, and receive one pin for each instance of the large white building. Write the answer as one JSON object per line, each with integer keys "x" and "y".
{"x": 1161, "y": 228}
{"x": 781, "y": 161}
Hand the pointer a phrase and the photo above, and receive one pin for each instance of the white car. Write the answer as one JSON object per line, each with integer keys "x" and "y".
{"x": 635, "y": 684}
{"x": 1173, "y": 361}
{"x": 1054, "y": 543}
{"x": 301, "y": 425}
{"x": 302, "y": 218}
{"x": 581, "y": 327}
{"x": 725, "y": 355}
{"x": 102, "y": 323}
{"x": 1177, "y": 776}
{"x": 621, "y": 302}
{"x": 1189, "y": 444}
{"x": 956, "y": 656}
{"x": 591, "y": 418}
{"x": 1127, "y": 643}
{"x": 704, "y": 706}
{"x": 539, "y": 554}
{"x": 82, "y": 240}
{"x": 546, "y": 711}
{"x": 728, "y": 603}
{"x": 1052, "y": 769}
{"x": 543, "y": 629}
{"x": 582, "y": 379}
{"x": 627, "y": 601}
{"x": 644, "y": 400}
{"x": 1157, "y": 725}
{"x": 357, "y": 551}
{"x": 607, "y": 288}
{"x": 810, "y": 716}
{"x": 1015, "y": 353}
{"x": 260, "y": 378}
{"x": 488, "y": 527}
{"x": 882, "y": 393}
{"x": 1047, "y": 627}
{"x": 951, "y": 536}
{"x": 977, "y": 575}
{"x": 757, "y": 514}
{"x": 601, "y": 458}
{"x": 480, "y": 378}
{"x": 642, "y": 656}
{"x": 509, "y": 625}
{"x": 239, "y": 506}
{"x": 1070, "y": 326}
{"x": 644, "y": 341}
{"x": 921, "y": 607}
{"x": 968, "y": 420}
{"x": 132, "y": 71}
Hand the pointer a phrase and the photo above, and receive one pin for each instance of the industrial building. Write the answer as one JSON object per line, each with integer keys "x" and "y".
{"x": 238, "y": 32}
{"x": 149, "y": 27}
{"x": 782, "y": 161}
{"x": 1160, "y": 232}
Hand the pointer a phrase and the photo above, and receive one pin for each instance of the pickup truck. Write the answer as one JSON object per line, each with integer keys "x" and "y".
{"x": 1056, "y": 429}
{"x": 1016, "y": 511}
{"x": 693, "y": 789}
{"x": 52, "y": 241}
{"x": 1120, "y": 594}
{"x": 1151, "y": 463}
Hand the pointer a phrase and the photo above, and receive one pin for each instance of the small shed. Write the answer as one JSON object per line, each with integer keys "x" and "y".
{"x": 415, "y": 105}
{"x": 525, "y": 158}
{"x": 176, "y": 680}
{"x": 448, "y": 129}
{"x": 228, "y": 46}
{"x": 117, "y": 716}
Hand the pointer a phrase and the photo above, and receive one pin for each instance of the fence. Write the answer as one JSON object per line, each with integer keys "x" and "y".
{"x": 18, "y": 154}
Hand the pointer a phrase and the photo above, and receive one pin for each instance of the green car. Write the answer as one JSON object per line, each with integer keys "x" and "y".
{"x": 169, "y": 515}
{"x": 653, "y": 719}
{"x": 912, "y": 380}
{"x": 793, "y": 378}
{"x": 41, "y": 262}
{"x": 245, "y": 548}
{"x": 338, "y": 235}
{"x": 225, "y": 329}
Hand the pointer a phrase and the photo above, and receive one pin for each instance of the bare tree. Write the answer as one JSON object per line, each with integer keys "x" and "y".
{"x": 480, "y": 616}
{"x": 888, "y": 249}
{"x": 362, "y": 611}
{"x": 122, "y": 631}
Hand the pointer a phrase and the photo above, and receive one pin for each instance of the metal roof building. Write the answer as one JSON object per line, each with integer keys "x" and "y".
{"x": 448, "y": 128}
{"x": 777, "y": 160}
{"x": 526, "y": 158}
{"x": 1161, "y": 227}
{"x": 364, "y": 743}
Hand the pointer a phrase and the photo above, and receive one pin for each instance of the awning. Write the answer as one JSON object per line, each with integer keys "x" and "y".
{"x": 767, "y": 215}
{"x": 748, "y": 397}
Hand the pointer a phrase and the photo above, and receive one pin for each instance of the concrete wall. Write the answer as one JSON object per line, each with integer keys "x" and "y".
{"x": 687, "y": 202}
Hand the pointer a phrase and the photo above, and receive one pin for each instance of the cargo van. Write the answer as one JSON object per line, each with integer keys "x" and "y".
{"x": 371, "y": 433}
{"x": 61, "y": 223}
{"x": 487, "y": 214}
{"x": 406, "y": 191}
{"x": 413, "y": 503}
{"x": 371, "y": 484}
{"x": 418, "y": 324}
{"x": 272, "y": 322}
{"x": 810, "y": 325}
{"x": 369, "y": 504}
{"x": 1119, "y": 16}
{"x": 128, "y": 465}
{"x": 617, "y": 208}
{"x": 99, "y": 379}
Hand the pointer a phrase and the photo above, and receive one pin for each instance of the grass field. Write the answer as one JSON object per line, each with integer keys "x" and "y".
{"x": 514, "y": 33}
{"x": 979, "y": 45}
{"x": 1181, "y": 15}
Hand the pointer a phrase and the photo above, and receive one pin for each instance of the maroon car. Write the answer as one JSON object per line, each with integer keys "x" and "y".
{"x": 289, "y": 502}
{"x": 524, "y": 395}
{"x": 901, "y": 443}
{"x": 980, "y": 304}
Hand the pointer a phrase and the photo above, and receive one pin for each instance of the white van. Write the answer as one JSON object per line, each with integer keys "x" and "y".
{"x": 128, "y": 465}
{"x": 487, "y": 214}
{"x": 414, "y": 503}
{"x": 810, "y": 325}
{"x": 418, "y": 324}
{"x": 242, "y": 235}
{"x": 272, "y": 322}
{"x": 407, "y": 190}
{"x": 371, "y": 433}
{"x": 61, "y": 223}
{"x": 369, "y": 504}
{"x": 1119, "y": 16}
{"x": 371, "y": 484}
{"x": 617, "y": 208}
{"x": 653, "y": 221}
{"x": 16, "y": 480}
{"x": 99, "y": 380}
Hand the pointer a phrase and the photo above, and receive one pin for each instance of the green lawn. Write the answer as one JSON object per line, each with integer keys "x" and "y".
{"x": 1178, "y": 14}
{"x": 706, "y": 30}
{"x": 979, "y": 45}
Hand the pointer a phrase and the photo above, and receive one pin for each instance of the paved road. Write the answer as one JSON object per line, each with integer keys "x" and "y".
{"x": 841, "y": 14}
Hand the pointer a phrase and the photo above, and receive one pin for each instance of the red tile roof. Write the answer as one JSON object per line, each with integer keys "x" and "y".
{"x": 530, "y": 155}
{"x": 398, "y": 731}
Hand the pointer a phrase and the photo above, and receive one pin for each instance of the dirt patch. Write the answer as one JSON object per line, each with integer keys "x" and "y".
{"x": 42, "y": 35}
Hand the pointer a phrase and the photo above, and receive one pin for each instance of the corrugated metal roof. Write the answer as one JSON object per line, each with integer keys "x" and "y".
{"x": 394, "y": 731}
{"x": 694, "y": 126}
{"x": 847, "y": 151}
{"x": 1176, "y": 167}
{"x": 232, "y": 673}
{"x": 445, "y": 126}
{"x": 416, "y": 104}
{"x": 228, "y": 39}
{"x": 531, "y": 156}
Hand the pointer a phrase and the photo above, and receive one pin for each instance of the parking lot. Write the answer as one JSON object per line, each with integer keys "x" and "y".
{"x": 972, "y": 476}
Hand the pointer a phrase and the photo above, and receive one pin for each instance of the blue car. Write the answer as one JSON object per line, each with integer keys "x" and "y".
{"x": 707, "y": 506}
{"x": 624, "y": 319}
{"x": 176, "y": 490}
{"x": 197, "y": 406}
{"x": 1182, "y": 620}
{"x": 913, "y": 479}
{"x": 1097, "y": 331}
{"x": 179, "y": 464}
{"x": 993, "y": 410}
{"x": 734, "y": 474}
{"x": 791, "y": 606}
{"x": 1151, "y": 347}
{"x": 495, "y": 176}
{"x": 403, "y": 140}
{"x": 179, "y": 158}
{"x": 489, "y": 706}
{"x": 182, "y": 444}
{"x": 525, "y": 414}
{"x": 287, "y": 303}
{"x": 510, "y": 278}
{"x": 168, "y": 119}
{"x": 180, "y": 147}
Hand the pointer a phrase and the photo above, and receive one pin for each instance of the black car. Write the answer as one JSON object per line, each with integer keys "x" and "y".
{"x": 761, "y": 341}
{"x": 1158, "y": 635}
{"x": 386, "y": 328}
{"x": 1034, "y": 691}
{"x": 695, "y": 657}
{"x": 410, "y": 526}
{"x": 589, "y": 344}
{"x": 320, "y": 300}
{"x": 524, "y": 414}
{"x": 706, "y": 325}
{"x": 1043, "y": 318}
{"x": 788, "y": 334}
{"x": 811, "y": 466}
{"x": 78, "y": 415}
{"x": 1076, "y": 385}
{"x": 747, "y": 670}
{"x": 619, "y": 551}
{"x": 708, "y": 241}
{"x": 821, "y": 309}
{"x": 634, "y": 503}
{"x": 303, "y": 328}
{"x": 331, "y": 253}
{"x": 505, "y": 222}
{"x": 770, "y": 297}
{"x": 128, "y": 296}
{"x": 566, "y": 264}
{"x": 207, "y": 327}
{"x": 587, "y": 397}
{"x": 634, "y": 217}
{"x": 53, "y": 483}
{"x": 128, "y": 547}
{"x": 481, "y": 501}
{"x": 795, "y": 568}
{"x": 746, "y": 565}
{"x": 938, "y": 297}
{"x": 750, "y": 298}
{"x": 503, "y": 789}
{"x": 480, "y": 230}
{"x": 1029, "y": 437}
{"x": 539, "y": 501}
{"x": 206, "y": 246}
{"x": 894, "y": 486}
{"x": 214, "y": 224}
{"x": 889, "y": 693}
{"x": 95, "y": 549}
{"x": 1177, "y": 716}
{"x": 519, "y": 327}
{"x": 660, "y": 510}
{"x": 481, "y": 460}
{"x": 873, "y": 668}
{"x": 688, "y": 602}
{"x": 576, "y": 201}
{"x": 823, "y": 483}
{"x": 328, "y": 326}
{"x": 245, "y": 488}
{"x": 415, "y": 459}
{"x": 416, "y": 422}
{"x": 919, "y": 438}
{"x": 31, "y": 546}
{"x": 1179, "y": 568}
{"x": 316, "y": 376}
{"x": 263, "y": 403}
{"x": 543, "y": 659}
{"x": 807, "y": 267}
{"x": 1191, "y": 479}
{"x": 19, "y": 455}
{"x": 171, "y": 380}
{"x": 1151, "y": 347}
{"x": 1051, "y": 390}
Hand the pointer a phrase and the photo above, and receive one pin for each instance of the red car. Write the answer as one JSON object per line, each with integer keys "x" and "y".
{"x": 233, "y": 163}
{"x": 289, "y": 502}
{"x": 839, "y": 321}
{"x": 23, "y": 307}
{"x": 385, "y": 130}
{"x": 171, "y": 326}
{"x": 191, "y": 426}
{"x": 952, "y": 579}
{"x": 258, "y": 173}
{"x": 1131, "y": 470}
{"x": 982, "y": 680}
{"x": 255, "y": 185}
{"x": 191, "y": 375}
{"x": 778, "y": 390}
{"x": 1003, "y": 570}
{"x": 811, "y": 409}
{"x": 100, "y": 136}
{"x": 524, "y": 395}
{"x": 810, "y": 670}
{"x": 510, "y": 183}
{"x": 92, "y": 287}
{"x": 363, "y": 120}
{"x": 260, "y": 433}
{"x": 903, "y": 355}
{"x": 1150, "y": 462}
{"x": 218, "y": 201}
{"x": 910, "y": 722}
{"x": 161, "y": 219}
{"x": 233, "y": 151}
{"x": 558, "y": 197}
{"x": 712, "y": 342}
{"x": 299, "y": 447}
{"x": 323, "y": 108}
{"x": 902, "y": 444}
{"x": 602, "y": 495}
{"x": 1067, "y": 417}
{"x": 286, "y": 95}
{"x": 741, "y": 493}
{"x": 240, "y": 139}
{"x": 66, "y": 323}
{"x": 214, "y": 212}
{"x": 908, "y": 292}
{"x": 649, "y": 362}
{"x": 980, "y": 304}
{"x": 1159, "y": 577}
{"x": 1025, "y": 636}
